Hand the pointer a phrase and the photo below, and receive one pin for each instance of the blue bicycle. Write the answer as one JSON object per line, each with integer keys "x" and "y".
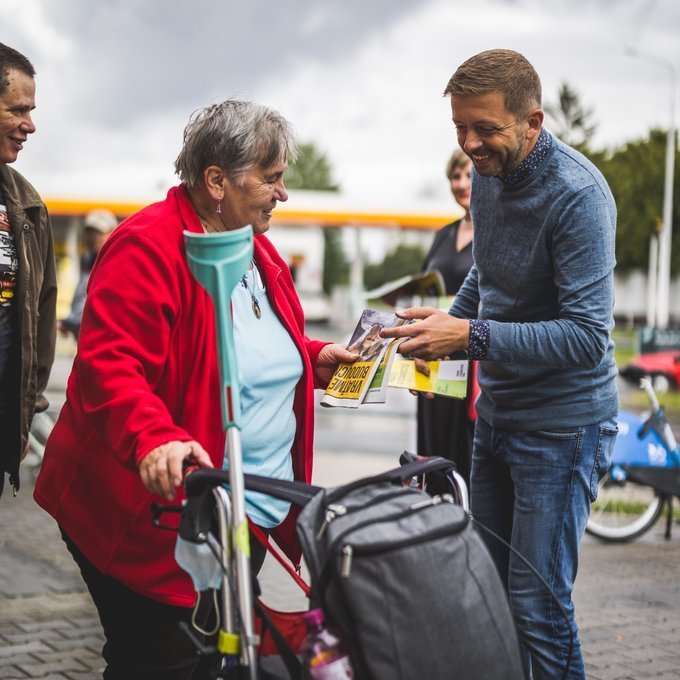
{"x": 643, "y": 479}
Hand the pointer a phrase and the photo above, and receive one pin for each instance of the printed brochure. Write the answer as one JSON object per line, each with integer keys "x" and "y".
{"x": 447, "y": 378}
{"x": 425, "y": 289}
{"x": 351, "y": 382}
{"x": 377, "y": 390}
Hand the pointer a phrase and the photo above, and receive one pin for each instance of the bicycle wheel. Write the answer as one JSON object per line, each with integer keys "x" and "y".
{"x": 623, "y": 510}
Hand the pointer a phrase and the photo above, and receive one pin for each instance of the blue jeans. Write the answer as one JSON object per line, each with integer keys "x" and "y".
{"x": 534, "y": 489}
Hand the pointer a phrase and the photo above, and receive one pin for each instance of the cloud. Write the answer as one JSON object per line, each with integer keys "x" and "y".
{"x": 363, "y": 80}
{"x": 140, "y": 56}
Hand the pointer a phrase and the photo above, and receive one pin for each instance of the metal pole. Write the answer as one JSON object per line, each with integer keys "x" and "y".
{"x": 652, "y": 279}
{"x": 218, "y": 261}
{"x": 665, "y": 236}
{"x": 241, "y": 543}
{"x": 356, "y": 277}
{"x": 223, "y": 505}
{"x": 664, "y": 266}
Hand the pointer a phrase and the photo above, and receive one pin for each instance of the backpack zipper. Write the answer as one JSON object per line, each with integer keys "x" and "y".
{"x": 335, "y": 510}
{"x": 332, "y": 512}
{"x": 348, "y": 551}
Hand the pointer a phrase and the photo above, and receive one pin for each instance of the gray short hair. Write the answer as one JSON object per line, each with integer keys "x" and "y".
{"x": 236, "y": 136}
{"x": 503, "y": 71}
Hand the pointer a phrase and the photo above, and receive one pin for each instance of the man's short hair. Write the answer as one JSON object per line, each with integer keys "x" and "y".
{"x": 503, "y": 71}
{"x": 11, "y": 59}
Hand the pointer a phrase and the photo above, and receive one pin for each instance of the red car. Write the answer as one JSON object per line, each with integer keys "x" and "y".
{"x": 662, "y": 367}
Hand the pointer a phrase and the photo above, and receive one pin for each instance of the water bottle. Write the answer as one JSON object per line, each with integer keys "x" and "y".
{"x": 325, "y": 658}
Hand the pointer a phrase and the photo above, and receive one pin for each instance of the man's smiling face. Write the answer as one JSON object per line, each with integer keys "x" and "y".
{"x": 495, "y": 139}
{"x": 16, "y": 104}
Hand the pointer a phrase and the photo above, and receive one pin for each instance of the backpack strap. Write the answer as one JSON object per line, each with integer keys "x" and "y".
{"x": 544, "y": 583}
{"x": 419, "y": 467}
{"x": 297, "y": 493}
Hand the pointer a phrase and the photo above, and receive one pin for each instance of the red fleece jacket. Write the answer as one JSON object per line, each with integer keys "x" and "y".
{"x": 146, "y": 373}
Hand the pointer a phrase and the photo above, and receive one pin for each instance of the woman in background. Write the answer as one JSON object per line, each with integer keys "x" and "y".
{"x": 445, "y": 425}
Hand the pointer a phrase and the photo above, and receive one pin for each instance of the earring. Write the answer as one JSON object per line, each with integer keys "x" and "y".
{"x": 218, "y": 210}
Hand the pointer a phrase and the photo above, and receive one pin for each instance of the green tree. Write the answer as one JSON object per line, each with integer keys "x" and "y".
{"x": 636, "y": 174}
{"x": 400, "y": 261}
{"x": 313, "y": 172}
{"x": 310, "y": 171}
{"x": 570, "y": 120}
{"x": 335, "y": 262}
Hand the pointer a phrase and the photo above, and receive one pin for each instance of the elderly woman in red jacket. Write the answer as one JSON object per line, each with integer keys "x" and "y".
{"x": 144, "y": 393}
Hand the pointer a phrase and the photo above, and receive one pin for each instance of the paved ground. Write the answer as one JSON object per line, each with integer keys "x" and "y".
{"x": 627, "y": 596}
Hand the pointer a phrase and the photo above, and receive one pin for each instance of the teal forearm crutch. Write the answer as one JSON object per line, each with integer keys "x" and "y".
{"x": 218, "y": 261}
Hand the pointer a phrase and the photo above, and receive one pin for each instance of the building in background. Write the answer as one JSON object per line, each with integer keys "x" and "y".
{"x": 369, "y": 232}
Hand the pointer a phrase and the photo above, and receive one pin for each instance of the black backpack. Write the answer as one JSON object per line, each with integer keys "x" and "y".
{"x": 399, "y": 572}
{"x": 407, "y": 582}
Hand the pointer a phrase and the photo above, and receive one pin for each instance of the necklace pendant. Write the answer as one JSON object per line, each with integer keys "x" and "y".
{"x": 256, "y": 308}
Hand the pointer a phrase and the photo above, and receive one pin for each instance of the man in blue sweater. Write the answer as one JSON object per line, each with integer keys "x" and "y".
{"x": 536, "y": 310}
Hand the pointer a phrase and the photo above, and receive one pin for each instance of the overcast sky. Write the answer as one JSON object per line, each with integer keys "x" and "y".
{"x": 362, "y": 79}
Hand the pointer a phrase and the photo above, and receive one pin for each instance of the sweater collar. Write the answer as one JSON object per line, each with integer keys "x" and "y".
{"x": 532, "y": 161}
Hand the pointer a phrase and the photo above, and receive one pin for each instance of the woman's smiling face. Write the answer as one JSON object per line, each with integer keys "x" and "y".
{"x": 253, "y": 196}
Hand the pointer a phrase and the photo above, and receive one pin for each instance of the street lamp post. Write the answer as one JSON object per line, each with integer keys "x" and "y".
{"x": 663, "y": 281}
{"x": 665, "y": 236}
{"x": 652, "y": 276}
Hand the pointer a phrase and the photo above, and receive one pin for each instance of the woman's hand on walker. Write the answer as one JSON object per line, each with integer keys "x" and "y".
{"x": 161, "y": 468}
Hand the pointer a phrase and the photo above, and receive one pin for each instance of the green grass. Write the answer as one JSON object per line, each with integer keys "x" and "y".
{"x": 620, "y": 507}
{"x": 631, "y": 508}
{"x": 638, "y": 401}
{"x": 626, "y": 345}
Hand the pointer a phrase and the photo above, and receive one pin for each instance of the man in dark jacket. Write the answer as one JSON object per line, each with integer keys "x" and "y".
{"x": 28, "y": 287}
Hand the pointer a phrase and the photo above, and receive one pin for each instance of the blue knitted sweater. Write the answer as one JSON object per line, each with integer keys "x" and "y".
{"x": 543, "y": 278}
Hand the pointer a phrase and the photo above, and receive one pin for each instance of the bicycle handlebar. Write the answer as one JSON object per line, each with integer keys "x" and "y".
{"x": 646, "y": 385}
{"x": 657, "y": 420}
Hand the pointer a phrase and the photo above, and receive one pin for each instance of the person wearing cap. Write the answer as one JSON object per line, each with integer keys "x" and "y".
{"x": 28, "y": 282}
{"x": 98, "y": 225}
